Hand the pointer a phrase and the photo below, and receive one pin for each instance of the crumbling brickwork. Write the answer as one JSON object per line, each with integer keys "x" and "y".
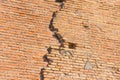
{"x": 59, "y": 39}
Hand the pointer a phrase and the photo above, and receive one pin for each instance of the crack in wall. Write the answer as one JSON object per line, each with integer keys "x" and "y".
{"x": 59, "y": 38}
{"x": 61, "y": 48}
{"x": 41, "y": 73}
{"x": 55, "y": 35}
{"x": 54, "y": 30}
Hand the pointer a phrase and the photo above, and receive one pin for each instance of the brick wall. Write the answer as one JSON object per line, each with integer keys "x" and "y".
{"x": 24, "y": 35}
{"x": 83, "y": 44}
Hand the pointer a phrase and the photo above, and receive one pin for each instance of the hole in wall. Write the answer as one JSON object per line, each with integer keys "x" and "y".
{"x": 85, "y": 26}
{"x": 60, "y": 0}
{"x": 72, "y": 45}
{"x": 51, "y": 27}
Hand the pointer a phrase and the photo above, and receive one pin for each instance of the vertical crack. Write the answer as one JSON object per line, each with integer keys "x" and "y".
{"x": 41, "y": 74}
{"x": 54, "y": 30}
{"x": 55, "y": 35}
{"x": 58, "y": 37}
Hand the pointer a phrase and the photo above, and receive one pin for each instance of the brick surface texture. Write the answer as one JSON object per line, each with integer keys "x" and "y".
{"x": 86, "y": 45}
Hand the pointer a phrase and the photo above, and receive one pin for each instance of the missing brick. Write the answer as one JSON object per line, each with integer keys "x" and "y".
{"x": 60, "y": 1}
{"x": 72, "y": 45}
{"x": 85, "y": 26}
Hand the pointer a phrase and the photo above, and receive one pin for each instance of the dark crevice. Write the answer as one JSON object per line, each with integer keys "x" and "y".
{"x": 49, "y": 49}
{"x": 54, "y": 14}
{"x": 46, "y": 59}
{"x": 85, "y": 26}
{"x": 51, "y": 27}
{"x": 59, "y": 38}
{"x": 60, "y": 1}
{"x": 72, "y": 45}
{"x": 41, "y": 74}
{"x": 61, "y": 6}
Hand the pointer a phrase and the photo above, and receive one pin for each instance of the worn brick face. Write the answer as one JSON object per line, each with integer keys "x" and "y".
{"x": 93, "y": 26}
